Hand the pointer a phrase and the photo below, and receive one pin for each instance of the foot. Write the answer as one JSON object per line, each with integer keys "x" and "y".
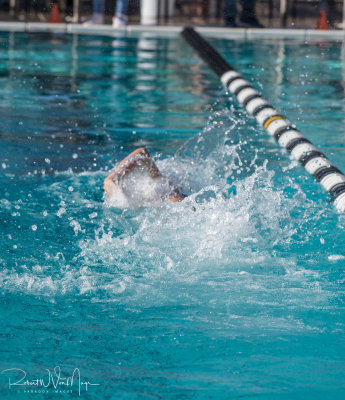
{"x": 22, "y": 16}
{"x": 120, "y": 20}
{"x": 96, "y": 19}
{"x": 250, "y": 22}
{"x": 230, "y": 23}
{"x": 41, "y": 17}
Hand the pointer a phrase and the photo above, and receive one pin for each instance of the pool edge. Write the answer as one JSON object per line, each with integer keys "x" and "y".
{"x": 172, "y": 30}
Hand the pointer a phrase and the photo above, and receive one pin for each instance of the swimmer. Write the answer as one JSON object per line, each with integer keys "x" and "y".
{"x": 137, "y": 179}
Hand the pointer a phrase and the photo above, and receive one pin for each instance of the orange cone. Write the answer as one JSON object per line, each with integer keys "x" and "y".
{"x": 322, "y": 23}
{"x": 55, "y": 15}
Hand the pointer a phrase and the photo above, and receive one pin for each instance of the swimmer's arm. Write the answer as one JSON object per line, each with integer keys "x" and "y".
{"x": 141, "y": 150}
{"x": 109, "y": 185}
{"x": 119, "y": 166}
{"x": 109, "y": 182}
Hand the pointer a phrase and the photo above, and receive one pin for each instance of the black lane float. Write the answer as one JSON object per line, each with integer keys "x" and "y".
{"x": 286, "y": 134}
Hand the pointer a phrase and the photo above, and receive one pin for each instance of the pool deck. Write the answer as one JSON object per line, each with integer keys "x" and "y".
{"x": 173, "y": 30}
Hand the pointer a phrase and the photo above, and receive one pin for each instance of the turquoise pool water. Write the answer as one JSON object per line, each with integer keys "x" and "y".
{"x": 237, "y": 292}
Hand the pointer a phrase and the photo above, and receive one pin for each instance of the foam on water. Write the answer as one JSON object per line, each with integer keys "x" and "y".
{"x": 138, "y": 189}
{"x": 237, "y": 291}
{"x": 228, "y": 244}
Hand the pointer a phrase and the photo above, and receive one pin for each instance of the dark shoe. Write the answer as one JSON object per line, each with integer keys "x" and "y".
{"x": 250, "y": 22}
{"x": 230, "y": 23}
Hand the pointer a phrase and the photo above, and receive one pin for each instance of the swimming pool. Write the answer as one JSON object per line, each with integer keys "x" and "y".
{"x": 238, "y": 291}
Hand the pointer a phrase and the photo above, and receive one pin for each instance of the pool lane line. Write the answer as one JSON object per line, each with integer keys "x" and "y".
{"x": 286, "y": 134}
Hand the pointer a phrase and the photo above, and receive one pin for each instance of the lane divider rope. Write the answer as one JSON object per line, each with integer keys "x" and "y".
{"x": 286, "y": 134}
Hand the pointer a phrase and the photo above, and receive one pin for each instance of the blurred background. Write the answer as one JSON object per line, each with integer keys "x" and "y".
{"x": 271, "y": 13}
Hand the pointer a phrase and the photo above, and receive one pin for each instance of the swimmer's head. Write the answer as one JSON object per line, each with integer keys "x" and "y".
{"x": 177, "y": 196}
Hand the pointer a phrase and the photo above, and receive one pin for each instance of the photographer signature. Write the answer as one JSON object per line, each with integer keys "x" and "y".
{"x": 51, "y": 380}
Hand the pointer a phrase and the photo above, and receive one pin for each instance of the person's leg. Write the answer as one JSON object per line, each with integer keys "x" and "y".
{"x": 230, "y": 12}
{"x": 38, "y": 7}
{"x": 121, "y": 13}
{"x": 35, "y": 5}
{"x": 98, "y": 6}
{"x": 26, "y": 5}
{"x": 248, "y": 14}
{"x": 98, "y": 13}
{"x": 121, "y": 7}
{"x": 24, "y": 9}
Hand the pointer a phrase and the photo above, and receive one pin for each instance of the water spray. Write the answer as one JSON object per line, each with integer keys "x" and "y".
{"x": 286, "y": 134}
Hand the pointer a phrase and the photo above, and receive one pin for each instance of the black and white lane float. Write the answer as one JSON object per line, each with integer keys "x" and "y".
{"x": 313, "y": 160}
